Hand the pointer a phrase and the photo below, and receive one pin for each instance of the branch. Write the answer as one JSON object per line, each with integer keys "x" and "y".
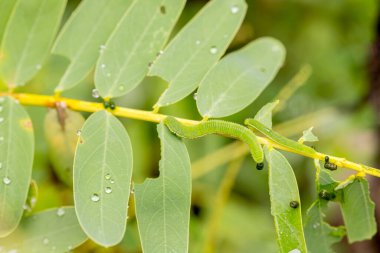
{"x": 84, "y": 106}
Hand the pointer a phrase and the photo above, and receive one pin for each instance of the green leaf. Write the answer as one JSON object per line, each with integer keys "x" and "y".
{"x": 358, "y": 211}
{"x": 197, "y": 47}
{"x": 29, "y": 34}
{"x": 54, "y": 230}
{"x": 32, "y": 197}
{"x": 163, "y": 204}
{"x": 320, "y": 235}
{"x": 60, "y": 134}
{"x": 283, "y": 189}
{"x": 134, "y": 44}
{"x": 239, "y": 78}
{"x": 84, "y": 35}
{"x": 6, "y": 7}
{"x": 308, "y": 136}
{"x": 264, "y": 115}
{"x": 16, "y": 160}
{"x": 102, "y": 178}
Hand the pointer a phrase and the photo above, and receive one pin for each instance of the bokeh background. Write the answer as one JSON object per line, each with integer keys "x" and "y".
{"x": 324, "y": 83}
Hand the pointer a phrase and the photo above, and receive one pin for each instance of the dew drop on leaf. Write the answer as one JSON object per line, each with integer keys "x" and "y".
{"x": 95, "y": 93}
{"x": 60, "y": 212}
{"x": 234, "y": 9}
{"x": 107, "y": 176}
{"x": 95, "y": 197}
{"x": 45, "y": 241}
{"x": 195, "y": 96}
{"x": 108, "y": 190}
{"x": 79, "y": 132}
{"x": 213, "y": 50}
{"x": 103, "y": 66}
{"x": 7, "y": 180}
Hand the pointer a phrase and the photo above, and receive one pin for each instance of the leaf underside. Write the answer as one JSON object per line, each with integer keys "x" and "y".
{"x": 16, "y": 158}
{"x": 102, "y": 178}
{"x": 163, "y": 204}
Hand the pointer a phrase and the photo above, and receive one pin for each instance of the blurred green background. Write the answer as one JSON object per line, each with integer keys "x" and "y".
{"x": 330, "y": 38}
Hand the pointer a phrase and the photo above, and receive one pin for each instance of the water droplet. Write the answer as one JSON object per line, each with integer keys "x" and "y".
{"x": 133, "y": 190}
{"x": 112, "y": 181}
{"x": 7, "y": 180}
{"x": 45, "y": 241}
{"x": 95, "y": 93}
{"x": 121, "y": 87}
{"x": 234, "y": 9}
{"x": 33, "y": 201}
{"x": 95, "y": 197}
{"x": 38, "y": 66}
{"x": 197, "y": 42}
{"x": 213, "y": 50}
{"x": 108, "y": 190}
{"x": 1, "y": 120}
{"x": 26, "y": 208}
{"x": 103, "y": 66}
{"x": 107, "y": 176}
{"x": 102, "y": 48}
{"x": 160, "y": 53}
{"x": 79, "y": 132}
{"x": 60, "y": 212}
{"x": 295, "y": 251}
{"x": 316, "y": 225}
{"x": 195, "y": 95}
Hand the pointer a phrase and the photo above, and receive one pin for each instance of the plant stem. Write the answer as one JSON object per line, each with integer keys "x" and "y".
{"x": 79, "y": 105}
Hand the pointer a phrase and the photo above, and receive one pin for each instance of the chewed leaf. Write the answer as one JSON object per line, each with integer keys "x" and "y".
{"x": 197, "y": 47}
{"x": 16, "y": 158}
{"x": 84, "y": 35}
{"x": 6, "y": 7}
{"x": 308, "y": 136}
{"x": 163, "y": 204}
{"x": 285, "y": 203}
{"x": 102, "y": 178}
{"x": 54, "y": 230}
{"x": 28, "y": 36}
{"x": 60, "y": 134}
{"x": 134, "y": 44}
{"x": 239, "y": 78}
{"x": 264, "y": 115}
{"x": 358, "y": 211}
{"x": 320, "y": 235}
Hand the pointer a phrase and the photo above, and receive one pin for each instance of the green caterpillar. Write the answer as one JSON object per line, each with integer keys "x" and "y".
{"x": 220, "y": 127}
{"x": 279, "y": 139}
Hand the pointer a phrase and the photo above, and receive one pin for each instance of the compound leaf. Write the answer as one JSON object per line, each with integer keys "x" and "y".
{"x": 283, "y": 190}
{"x": 60, "y": 134}
{"x": 358, "y": 211}
{"x": 16, "y": 159}
{"x": 54, "y": 230}
{"x": 239, "y": 78}
{"x": 102, "y": 178}
{"x": 197, "y": 47}
{"x": 134, "y": 44}
{"x": 84, "y": 35}
{"x": 163, "y": 204}
{"x": 27, "y": 39}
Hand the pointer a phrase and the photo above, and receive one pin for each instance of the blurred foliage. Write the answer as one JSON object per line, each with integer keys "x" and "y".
{"x": 334, "y": 37}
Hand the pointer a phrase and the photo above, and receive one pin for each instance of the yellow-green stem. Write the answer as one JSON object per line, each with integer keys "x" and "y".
{"x": 79, "y": 105}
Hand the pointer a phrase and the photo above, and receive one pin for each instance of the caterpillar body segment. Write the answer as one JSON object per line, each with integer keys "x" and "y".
{"x": 279, "y": 139}
{"x": 220, "y": 127}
